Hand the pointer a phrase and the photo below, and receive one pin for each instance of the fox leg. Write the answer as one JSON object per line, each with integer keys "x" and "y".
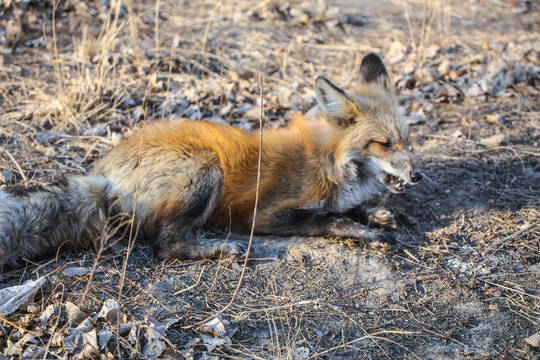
{"x": 187, "y": 196}
{"x": 310, "y": 223}
{"x": 378, "y": 217}
{"x": 175, "y": 238}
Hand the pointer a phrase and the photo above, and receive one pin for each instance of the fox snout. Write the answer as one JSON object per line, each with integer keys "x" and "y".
{"x": 406, "y": 167}
{"x": 402, "y": 169}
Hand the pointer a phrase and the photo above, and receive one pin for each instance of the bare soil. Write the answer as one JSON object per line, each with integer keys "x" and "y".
{"x": 465, "y": 282}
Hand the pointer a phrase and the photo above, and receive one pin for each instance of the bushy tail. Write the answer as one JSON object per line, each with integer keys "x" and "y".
{"x": 71, "y": 213}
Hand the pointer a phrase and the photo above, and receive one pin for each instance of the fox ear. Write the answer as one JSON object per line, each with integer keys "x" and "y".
{"x": 372, "y": 70}
{"x": 338, "y": 108}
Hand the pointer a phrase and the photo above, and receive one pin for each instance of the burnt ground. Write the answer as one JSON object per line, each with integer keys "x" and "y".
{"x": 464, "y": 283}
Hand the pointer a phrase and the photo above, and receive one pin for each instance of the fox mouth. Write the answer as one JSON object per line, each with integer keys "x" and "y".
{"x": 394, "y": 183}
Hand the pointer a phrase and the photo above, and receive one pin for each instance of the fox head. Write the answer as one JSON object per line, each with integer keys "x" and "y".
{"x": 372, "y": 133}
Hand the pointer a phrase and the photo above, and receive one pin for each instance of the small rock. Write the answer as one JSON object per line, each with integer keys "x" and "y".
{"x": 34, "y": 43}
{"x": 496, "y": 67}
{"x": 406, "y": 82}
{"x": 450, "y": 91}
{"x": 429, "y": 88}
{"x": 453, "y": 75}
{"x": 116, "y": 137}
{"x": 215, "y": 119}
{"x": 426, "y": 75}
{"x": 96, "y": 131}
{"x": 246, "y": 126}
{"x": 499, "y": 83}
{"x": 416, "y": 117}
{"x": 356, "y": 21}
{"x": 518, "y": 74}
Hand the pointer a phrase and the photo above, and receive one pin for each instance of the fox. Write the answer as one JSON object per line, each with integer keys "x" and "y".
{"x": 173, "y": 177}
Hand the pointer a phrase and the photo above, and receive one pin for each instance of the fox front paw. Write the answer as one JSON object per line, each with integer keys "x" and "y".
{"x": 383, "y": 218}
{"x": 199, "y": 249}
{"x": 230, "y": 249}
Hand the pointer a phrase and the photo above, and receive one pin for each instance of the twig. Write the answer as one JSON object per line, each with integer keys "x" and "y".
{"x": 192, "y": 286}
{"x": 494, "y": 248}
{"x": 509, "y": 289}
{"x": 207, "y": 27}
{"x": 280, "y": 307}
{"x": 509, "y": 237}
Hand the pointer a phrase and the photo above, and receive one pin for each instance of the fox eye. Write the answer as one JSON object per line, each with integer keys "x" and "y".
{"x": 386, "y": 144}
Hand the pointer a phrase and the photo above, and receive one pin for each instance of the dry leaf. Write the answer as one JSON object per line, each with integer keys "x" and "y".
{"x": 213, "y": 342}
{"x": 495, "y": 119}
{"x": 74, "y": 315}
{"x": 534, "y": 340}
{"x": 83, "y": 345}
{"x": 215, "y": 327}
{"x": 13, "y": 297}
{"x": 110, "y": 312}
{"x": 493, "y": 141}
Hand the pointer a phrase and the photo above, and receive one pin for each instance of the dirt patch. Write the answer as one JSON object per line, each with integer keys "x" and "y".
{"x": 463, "y": 283}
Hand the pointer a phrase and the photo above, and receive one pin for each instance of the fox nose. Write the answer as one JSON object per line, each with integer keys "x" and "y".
{"x": 416, "y": 176}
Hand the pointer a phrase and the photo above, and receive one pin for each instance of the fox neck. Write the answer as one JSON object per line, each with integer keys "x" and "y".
{"x": 340, "y": 183}
{"x": 321, "y": 142}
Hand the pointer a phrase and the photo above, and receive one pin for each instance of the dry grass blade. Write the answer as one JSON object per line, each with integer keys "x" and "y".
{"x": 21, "y": 172}
{"x": 192, "y": 286}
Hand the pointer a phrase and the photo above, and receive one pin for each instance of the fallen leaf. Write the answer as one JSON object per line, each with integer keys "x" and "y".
{"x": 16, "y": 348}
{"x": 74, "y": 315}
{"x": 534, "y": 340}
{"x": 493, "y": 141}
{"x": 75, "y": 271}
{"x": 495, "y": 119}
{"x": 212, "y": 342}
{"x": 155, "y": 344}
{"x": 16, "y": 296}
{"x": 215, "y": 327}
{"x": 83, "y": 345}
{"x": 110, "y": 312}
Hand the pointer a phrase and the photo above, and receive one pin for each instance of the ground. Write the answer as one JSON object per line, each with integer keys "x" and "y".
{"x": 464, "y": 282}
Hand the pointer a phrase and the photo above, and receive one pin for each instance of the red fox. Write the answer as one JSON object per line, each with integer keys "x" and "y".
{"x": 178, "y": 176}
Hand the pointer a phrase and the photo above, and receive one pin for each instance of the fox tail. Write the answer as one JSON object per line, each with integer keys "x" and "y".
{"x": 41, "y": 219}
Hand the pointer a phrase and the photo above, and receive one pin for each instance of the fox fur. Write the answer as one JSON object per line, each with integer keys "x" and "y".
{"x": 177, "y": 176}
